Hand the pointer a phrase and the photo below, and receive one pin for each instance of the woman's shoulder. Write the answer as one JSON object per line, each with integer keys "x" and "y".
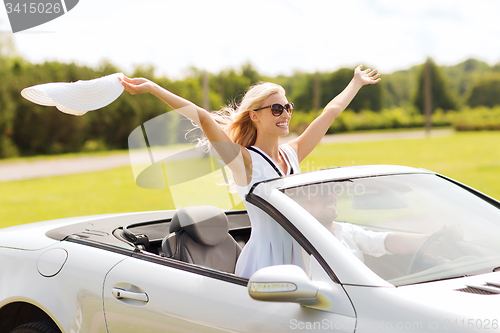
{"x": 290, "y": 152}
{"x": 288, "y": 148}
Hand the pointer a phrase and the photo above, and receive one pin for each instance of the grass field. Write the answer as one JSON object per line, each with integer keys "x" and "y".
{"x": 470, "y": 157}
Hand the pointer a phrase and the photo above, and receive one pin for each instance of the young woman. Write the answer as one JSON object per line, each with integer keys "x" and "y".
{"x": 247, "y": 140}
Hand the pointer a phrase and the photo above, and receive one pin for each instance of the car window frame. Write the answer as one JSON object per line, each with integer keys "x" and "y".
{"x": 164, "y": 261}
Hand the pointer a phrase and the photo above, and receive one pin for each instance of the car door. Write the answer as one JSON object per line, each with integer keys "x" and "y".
{"x": 153, "y": 294}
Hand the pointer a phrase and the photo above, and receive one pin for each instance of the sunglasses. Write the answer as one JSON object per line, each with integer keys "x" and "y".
{"x": 277, "y": 109}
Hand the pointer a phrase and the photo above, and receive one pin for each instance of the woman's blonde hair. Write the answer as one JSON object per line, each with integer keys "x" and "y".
{"x": 235, "y": 120}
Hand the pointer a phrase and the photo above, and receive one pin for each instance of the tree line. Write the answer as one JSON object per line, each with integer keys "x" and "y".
{"x": 30, "y": 129}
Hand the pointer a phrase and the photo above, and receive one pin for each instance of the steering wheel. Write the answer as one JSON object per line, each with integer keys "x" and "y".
{"x": 418, "y": 256}
{"x": 448, "y": 236}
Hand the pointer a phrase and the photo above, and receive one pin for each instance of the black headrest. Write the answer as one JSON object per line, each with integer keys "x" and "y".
{"x": 207, "y": 225}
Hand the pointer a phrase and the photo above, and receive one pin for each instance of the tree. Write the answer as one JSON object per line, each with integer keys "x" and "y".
{"x": 300, "y": 90}
{"x": 231, "y": 86}
{"x": 7, "y": 108}
{"x": 332, "y": 84}
{"x": 441, "y": 95}
{"x": 486, "y": 91}
{"x": 461, "y": 77}
{"x": 368, "y": 98}
{"x": 399, "y": 87}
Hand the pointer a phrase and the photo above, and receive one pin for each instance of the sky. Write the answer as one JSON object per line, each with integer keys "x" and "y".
{"x": 276, "y": 36}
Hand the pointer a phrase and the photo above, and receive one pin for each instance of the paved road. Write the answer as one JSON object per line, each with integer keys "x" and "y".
{"x": 65, "y": 166}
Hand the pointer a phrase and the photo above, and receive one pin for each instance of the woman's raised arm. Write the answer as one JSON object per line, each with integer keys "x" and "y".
{"x": 228, "y": 150}
{"x": 200, "y": 116}
{"x": 313, "y": 134}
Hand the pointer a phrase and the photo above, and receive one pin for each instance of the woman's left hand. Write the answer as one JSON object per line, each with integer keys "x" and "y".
{"x": 136, "y": 85}
{"x": 367, "y": 76}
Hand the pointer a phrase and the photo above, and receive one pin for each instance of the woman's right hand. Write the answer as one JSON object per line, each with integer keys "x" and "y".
{"x": 136, "y": 85}
{"x": 367, "y": 76}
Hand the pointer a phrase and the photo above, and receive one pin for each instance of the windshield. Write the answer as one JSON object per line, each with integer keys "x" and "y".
{"x": 408, "y": 228}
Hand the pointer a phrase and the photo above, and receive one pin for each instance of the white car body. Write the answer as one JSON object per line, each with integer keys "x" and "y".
{"x": 71, "y": 272}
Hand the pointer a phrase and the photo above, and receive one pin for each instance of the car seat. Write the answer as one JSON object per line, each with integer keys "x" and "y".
{"x": 199, "y": 235}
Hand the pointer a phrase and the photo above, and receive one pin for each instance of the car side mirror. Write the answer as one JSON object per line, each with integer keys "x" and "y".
{"x": 287, "y": 283}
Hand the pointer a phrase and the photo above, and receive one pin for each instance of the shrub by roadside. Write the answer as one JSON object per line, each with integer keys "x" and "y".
{"x": 478, "y": 119}
{"x": 366, "y": 120}
{"x": 467, "y": 119}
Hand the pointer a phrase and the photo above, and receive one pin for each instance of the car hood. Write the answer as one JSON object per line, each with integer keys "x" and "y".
{"x": 468, "y": 296}
{"x": 450, "y": 300}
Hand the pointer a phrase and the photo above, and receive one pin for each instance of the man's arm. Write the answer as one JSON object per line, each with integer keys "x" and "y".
{"x": 404, "y": 243}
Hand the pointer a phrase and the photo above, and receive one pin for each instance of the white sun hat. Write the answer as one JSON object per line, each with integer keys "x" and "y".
{"x": 76, "y": 98}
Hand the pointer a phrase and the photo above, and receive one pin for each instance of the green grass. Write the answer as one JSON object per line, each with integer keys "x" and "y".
{"x": 101, "y": 192}
{"x": 470, "y": 157}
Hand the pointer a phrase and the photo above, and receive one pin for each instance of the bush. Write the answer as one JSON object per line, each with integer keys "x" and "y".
{"x": 476, "y": 119}
{"x": 385, "y": 119}
{"x": 300, "y": 121}
{"x": 370, "y": 120}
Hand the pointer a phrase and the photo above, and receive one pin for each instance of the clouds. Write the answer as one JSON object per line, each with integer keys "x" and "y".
{"x": 277, "y": 36}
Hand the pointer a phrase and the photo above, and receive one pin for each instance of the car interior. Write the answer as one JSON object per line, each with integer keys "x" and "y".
{"x": 209, "y": 237}
{"x": 200, "y": 235}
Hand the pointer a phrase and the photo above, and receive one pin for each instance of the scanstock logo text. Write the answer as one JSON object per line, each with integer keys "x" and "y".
{"x": 25, "y": 14}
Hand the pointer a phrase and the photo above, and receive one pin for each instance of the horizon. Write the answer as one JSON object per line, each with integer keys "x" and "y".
{"x": 189, "y": 71}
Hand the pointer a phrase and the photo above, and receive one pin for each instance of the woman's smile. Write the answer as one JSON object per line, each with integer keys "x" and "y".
{"x": 282, "y": 124}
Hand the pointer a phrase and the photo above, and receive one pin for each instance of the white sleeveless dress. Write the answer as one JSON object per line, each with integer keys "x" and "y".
{"x": 269, "y": 243}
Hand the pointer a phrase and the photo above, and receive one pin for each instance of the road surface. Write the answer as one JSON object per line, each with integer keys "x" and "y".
{"x": 11, "y": 171}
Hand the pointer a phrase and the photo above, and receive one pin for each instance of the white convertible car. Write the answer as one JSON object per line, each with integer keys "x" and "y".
{"x": 173, "y": 271}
